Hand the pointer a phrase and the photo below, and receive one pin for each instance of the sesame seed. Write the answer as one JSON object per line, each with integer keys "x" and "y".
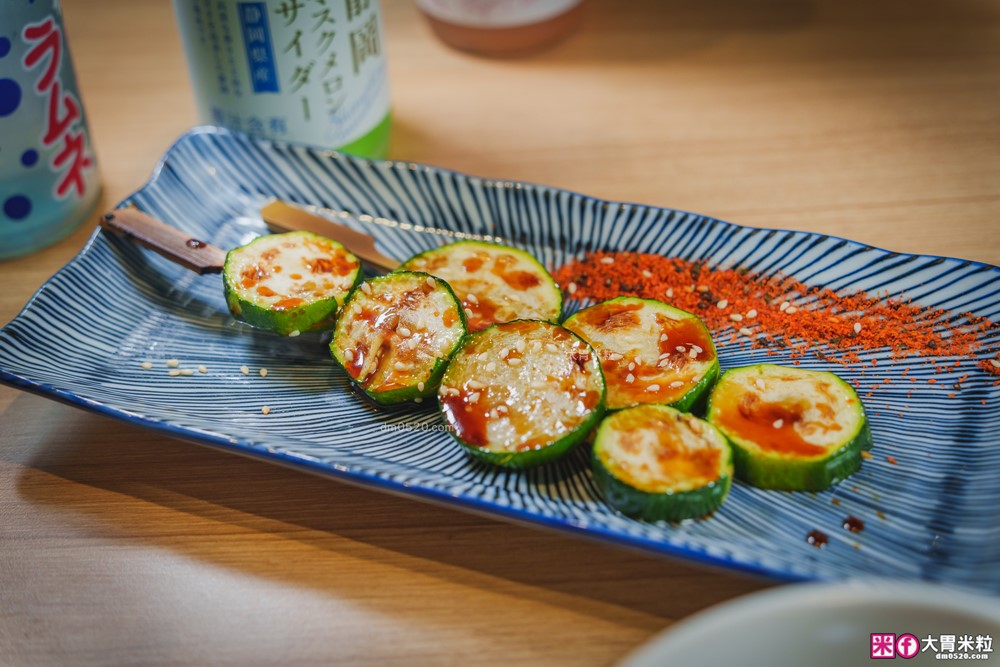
{"x": 173, "y": 373}
{"x": 681, "y": 349}
{"x": 670, "y": 292}
{"x": 504, "y": 353}
{"x": 404, "y": 332}
{"x": 366, "y": 288}
{"x": 295, "y": 333}
{"x": 187, "y": 371}
{"x": 653, "y": 387}
{"x": 244, "y": 370}
{"x": 431, "y": 282}
{"x": 418, "y": 399}
{"x": 791, "y": 309}
{"x": 778, "y": 423}
{"x": 501, "y": 409}
{"x": 702, "y": 288}
{"x": 614, "y": 356}
{"x": 746, "y": 332}
{"x": 551, "y": 347}
{"x": 630, "y": 378}
{"x": 399, "y": 366}
{"x": 697, "y": 349}
{"x": 631, "y": 365}
{"x": 263, "y": 372}
{"x": 519, "y": 345}
{"x": 607, "y": 260}
{"x": 468, "y": 312}
{"x": 675, "y": 384}
{"x": 265, "y": 410}
{"x": 571, "y": 288}
{"x": 473, "y": 397}
{"x": 752, "y": 313}
{"x": 994, "y": 363}
{"x": 736, "y": 317}
{"x": 490, "y": 367}
{"x": 722, "y": 304}
{"x": 647, "y": 274}
{"x": 759, "y": 384}
{"x": 692, "y": 354}
{"x": 202, "y": 369}
{"x": 536, "y": 345}
{"x": 663, "y": 337}
{"x": 481, "y": 356}
{"x": 173, "y": 363}
{"x": 476, "y": 384}
{"x": 857, "y": 327}
{"x": 471, "y": 298}
{"x": 146, "y": 365}
{"x": 514, "y": 361}
{"x": 348, "y": 354}
{"x": 420, "y": 386}
{"x": 784, "y": 306}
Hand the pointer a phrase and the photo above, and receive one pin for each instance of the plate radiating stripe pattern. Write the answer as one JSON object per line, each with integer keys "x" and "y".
{"x": 934, "y": 514}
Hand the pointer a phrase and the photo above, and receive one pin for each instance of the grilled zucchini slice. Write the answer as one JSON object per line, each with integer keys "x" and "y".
{"x": 522, "y": 393}
{"x": 790, "y": 428}
{"x": 496, "y": 283}
{"x": 396, "y": 334}
{"x": 287, "y": 283}
{"x": 650, "y": 352}
{"x": 660, "y": 464}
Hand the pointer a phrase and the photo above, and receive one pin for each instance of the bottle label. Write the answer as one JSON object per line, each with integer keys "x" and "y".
{"x": 48, "y": 172}
{"x": 495, "y": 13}
{"x": 309, "y": 71}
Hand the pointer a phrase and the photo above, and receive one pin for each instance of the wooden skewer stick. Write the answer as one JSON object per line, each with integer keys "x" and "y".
{"x": 282, "y": 217}
{"x": 174, "y": 244}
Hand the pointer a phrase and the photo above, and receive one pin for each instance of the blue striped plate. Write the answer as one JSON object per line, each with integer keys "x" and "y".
{"x": 935, "y": 515}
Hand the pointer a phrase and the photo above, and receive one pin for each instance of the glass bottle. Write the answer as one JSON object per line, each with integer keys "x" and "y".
{"x": 306, "y": 71}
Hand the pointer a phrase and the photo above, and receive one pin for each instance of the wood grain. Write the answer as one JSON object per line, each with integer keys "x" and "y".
{"x": 174, "y": 244}
{"x": 874, "y": 121}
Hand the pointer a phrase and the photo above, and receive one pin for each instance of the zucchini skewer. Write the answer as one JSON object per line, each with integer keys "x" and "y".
{"x": 289, "y": 283}
{"x": 656, "y": 463}
{"x": 650, "y": 352}
{"x": 495, "y": 283}
{"x": 396, "y": 334}
{"x": 522, "y": 393}
{"x": 790, "y": 428}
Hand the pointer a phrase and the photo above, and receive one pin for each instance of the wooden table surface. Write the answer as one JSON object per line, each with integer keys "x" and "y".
{"x": 874, "y": 121}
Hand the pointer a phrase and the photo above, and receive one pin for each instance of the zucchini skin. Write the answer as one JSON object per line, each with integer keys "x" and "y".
{"x": 551, "y": 451}
{"x": 695, "y": 398}
{"x": 767, "y": 470}
{"x": 477, "y": 323}
{"x": 673, "y": 506}
{"x": 799, "y": 475}
{"x": 411, "y": 392}
{"x": 317, "y": 315}
{"x": 659, "y": 506}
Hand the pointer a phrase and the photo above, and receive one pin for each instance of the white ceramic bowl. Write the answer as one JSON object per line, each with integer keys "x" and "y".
{"x": 823, "y": 625}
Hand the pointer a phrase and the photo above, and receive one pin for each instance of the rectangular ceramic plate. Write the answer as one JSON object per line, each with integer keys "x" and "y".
{"x": 935, "y": 515}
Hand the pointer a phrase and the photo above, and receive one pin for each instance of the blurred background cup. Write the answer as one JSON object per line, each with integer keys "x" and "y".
{"x": 306, "y": 71}
{"x": 502, "y": 27}
{"x": 48, "y": 175}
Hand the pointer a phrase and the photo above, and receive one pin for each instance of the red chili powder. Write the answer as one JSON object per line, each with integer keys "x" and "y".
{"x": 772, "y": 311}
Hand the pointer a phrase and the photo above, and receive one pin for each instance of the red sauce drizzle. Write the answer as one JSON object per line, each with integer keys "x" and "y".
{"x": 817, "y": 538}
{"x": 755, "y": 420}
{"x": 854, "y": 524}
